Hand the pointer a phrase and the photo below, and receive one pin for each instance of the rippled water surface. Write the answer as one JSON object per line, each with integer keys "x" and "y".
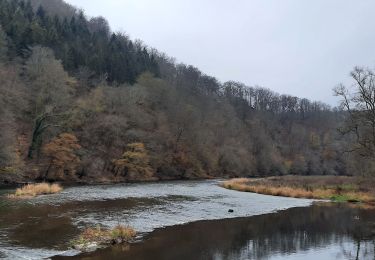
{"x": 43, "y": 226}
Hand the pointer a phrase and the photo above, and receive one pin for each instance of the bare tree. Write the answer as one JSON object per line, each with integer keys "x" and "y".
{"x": 50, "y": 94}
{"x": 359, "y": 102}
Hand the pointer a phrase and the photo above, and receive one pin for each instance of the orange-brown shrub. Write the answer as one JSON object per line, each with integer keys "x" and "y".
{"x": 32, "y": 190}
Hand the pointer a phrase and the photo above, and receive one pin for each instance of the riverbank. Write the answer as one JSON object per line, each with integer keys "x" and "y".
{"x": 335, "y": 188}
{"x": 16, "y": 181}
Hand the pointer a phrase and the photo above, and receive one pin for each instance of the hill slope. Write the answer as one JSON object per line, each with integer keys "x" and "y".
{"x": 81, "y": 103}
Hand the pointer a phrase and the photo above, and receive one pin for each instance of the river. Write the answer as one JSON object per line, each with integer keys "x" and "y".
{"x": 185, "y": 220}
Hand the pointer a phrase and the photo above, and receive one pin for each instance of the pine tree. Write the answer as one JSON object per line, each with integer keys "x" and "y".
{"x": 41, "y": 13}
{"x": 75, "y": 40}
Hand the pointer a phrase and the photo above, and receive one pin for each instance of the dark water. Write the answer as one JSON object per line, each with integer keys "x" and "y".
{"x": 316, "y": 232}
{"x": 185, "y": 220}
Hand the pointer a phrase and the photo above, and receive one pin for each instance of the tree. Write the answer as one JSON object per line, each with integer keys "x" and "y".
{"x": 134, "y": 164}
{"x": 51, "y": 93}
{"x": 99, "y": 25}
{"x": 359, "y": 104}
{"x": 54, "y": 7}
{"x": 62, "y": 155}
{"x": 13, "y": 104}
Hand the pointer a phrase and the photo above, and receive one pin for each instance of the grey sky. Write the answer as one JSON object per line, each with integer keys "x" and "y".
{"x": 298, "y": 47}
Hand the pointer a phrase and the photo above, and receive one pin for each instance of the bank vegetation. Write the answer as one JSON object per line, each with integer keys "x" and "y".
{"x": 335, "y": 188}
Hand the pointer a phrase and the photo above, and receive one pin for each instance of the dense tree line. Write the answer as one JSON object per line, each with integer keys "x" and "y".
{"x": 79, "y": 102}
{"x": 83, "y": 45}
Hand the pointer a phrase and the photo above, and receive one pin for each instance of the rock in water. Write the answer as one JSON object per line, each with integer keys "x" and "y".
{"x": 230, "y": 210}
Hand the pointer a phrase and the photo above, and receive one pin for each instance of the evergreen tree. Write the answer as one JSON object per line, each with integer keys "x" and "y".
{"x": 75, "y": 40}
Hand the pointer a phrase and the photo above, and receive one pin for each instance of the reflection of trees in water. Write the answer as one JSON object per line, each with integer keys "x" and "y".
{"x": 257, "y": 237}
{"x": 364, "y": 249}
{"x": 301, "y": 229}
{"x": 363, "y": 234}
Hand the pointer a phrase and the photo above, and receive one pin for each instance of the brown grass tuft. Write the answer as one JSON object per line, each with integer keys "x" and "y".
{"x": 94, "y": 234}
{"x": 125, "y": 233}
{"x": 103, "y": 236}
{"x": 32, "y": 190}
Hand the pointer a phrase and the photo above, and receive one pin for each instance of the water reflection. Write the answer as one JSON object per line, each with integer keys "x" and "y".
{"x": 316, "y": 232}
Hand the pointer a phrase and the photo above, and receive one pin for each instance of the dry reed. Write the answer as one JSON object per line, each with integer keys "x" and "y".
{"x": 280, "y": 187}
{"x": 32, "y": 190}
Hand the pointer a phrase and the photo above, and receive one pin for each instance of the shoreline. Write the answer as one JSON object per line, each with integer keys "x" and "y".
{"x": 332, "y": 188}
{"x": 14, "y": 185}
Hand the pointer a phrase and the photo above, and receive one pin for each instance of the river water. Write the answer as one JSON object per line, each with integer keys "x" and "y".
{"x": 185, "y": 220}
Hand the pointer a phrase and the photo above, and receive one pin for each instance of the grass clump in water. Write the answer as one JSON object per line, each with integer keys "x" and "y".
{"x": 94, "y": 237}
{"x": 123, "y": 233}
{"x": 32, "y": 190}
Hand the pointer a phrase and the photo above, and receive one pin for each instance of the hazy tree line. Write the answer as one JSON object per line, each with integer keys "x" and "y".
{"x": 79, "y": 102}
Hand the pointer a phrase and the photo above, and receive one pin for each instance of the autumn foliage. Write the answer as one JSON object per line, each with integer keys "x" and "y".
{"x": 134, "y": 164}
{"x": 63, "y": 160}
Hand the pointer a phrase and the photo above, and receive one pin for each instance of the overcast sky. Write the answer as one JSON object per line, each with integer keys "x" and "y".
{"x": 298, "y": 47}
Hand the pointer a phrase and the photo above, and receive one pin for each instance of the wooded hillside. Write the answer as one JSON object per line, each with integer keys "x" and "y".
{"x": 79, "y": 102}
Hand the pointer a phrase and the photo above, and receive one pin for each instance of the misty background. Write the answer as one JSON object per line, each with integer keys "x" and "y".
{"x": 302, "y": 48}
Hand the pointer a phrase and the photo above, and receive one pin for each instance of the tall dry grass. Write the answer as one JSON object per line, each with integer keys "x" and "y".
{"x": 101, "y": 236}
{"x": 32, "y": 190}
{"x": 281, "y": 187}
{"x": 125, "y": 233}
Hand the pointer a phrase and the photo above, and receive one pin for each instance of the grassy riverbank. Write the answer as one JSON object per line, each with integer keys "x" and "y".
{"x": 335, "y": 188}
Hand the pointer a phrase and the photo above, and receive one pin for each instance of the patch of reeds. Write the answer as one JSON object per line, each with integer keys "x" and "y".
{"x": 123, "y": 233}
{"x": 32, "y": 190}
{"x": 100, "y": 236}
{"x": 340, "y": 193}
